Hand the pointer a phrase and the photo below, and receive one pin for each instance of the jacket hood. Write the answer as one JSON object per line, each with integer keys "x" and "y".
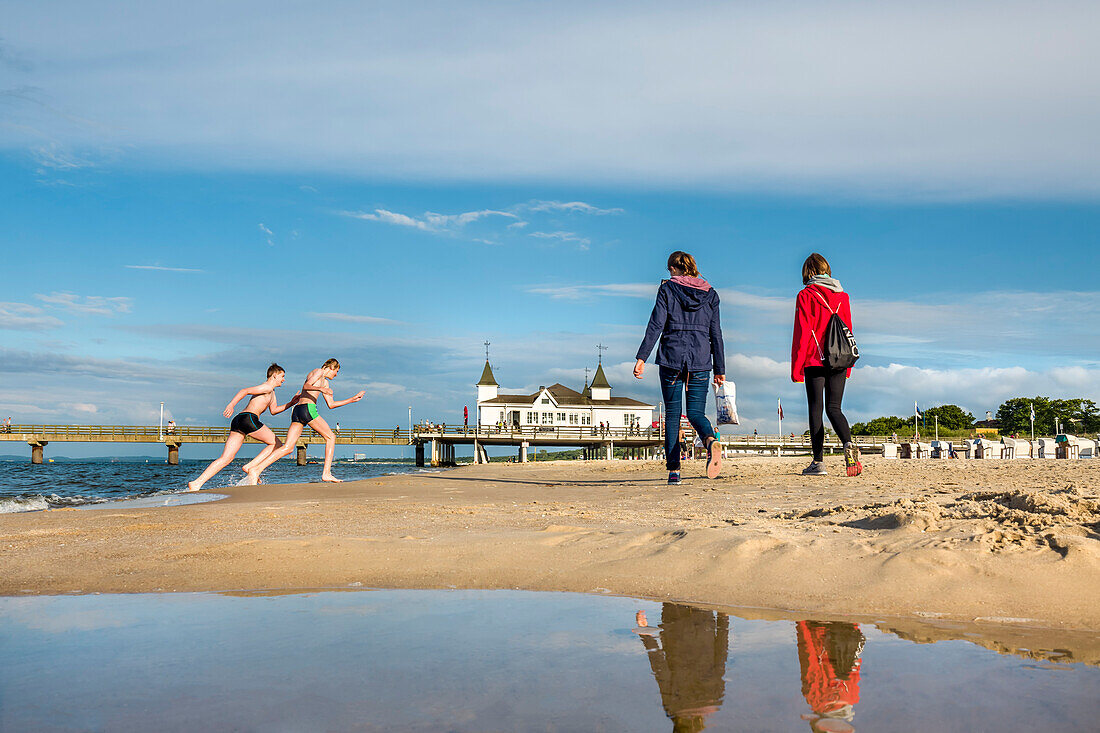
{"x": 691, "y": 296}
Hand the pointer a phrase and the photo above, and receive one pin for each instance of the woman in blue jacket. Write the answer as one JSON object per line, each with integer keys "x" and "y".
{"x": 686, "y": 320}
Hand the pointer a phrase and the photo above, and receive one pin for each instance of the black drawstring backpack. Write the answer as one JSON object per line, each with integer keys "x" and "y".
{"x": 840, "y": 350}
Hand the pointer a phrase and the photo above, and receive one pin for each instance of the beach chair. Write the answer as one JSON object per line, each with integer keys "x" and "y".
{"x": 922, "y": 450}
{"x": 986, "y": 449}
{"x": 889, "y": 450}
{"x": 1066, "y": 446}
{"x": 966, "y": 449}
{"x": 1045, "y": 448}
{"x": 1015, "y": 448}
{"x": 941, "y": 448}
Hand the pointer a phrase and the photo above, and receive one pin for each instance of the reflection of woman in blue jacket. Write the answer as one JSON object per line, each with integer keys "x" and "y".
{"x": 686, "y": 320}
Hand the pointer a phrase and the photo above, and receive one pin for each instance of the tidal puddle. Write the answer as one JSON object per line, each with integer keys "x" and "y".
{"x": 517, "y": 661}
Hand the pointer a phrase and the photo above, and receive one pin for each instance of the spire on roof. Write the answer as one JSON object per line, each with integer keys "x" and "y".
{"x": 599, "y": 379}
{"x": 487, "y": 379}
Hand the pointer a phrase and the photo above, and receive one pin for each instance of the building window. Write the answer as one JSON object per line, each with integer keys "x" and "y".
{"x": 547, "y": 418}
{"x": 572, "y": 418}
{"x": 546, "y": 400}
{"x": 561, "y": 417}
{"x": 532, "y": 417}
{"x": 586, "y": 418}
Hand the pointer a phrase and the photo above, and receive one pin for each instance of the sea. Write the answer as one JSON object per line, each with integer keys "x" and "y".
{"x": 26, "y": 487}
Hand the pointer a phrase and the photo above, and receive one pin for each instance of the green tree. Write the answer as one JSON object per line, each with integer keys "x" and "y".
{"x": 1076, "y": 414}
{"x": 951, "y": 417}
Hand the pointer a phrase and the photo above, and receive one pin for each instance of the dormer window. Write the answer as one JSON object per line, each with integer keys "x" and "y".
{"x": 546, "y": 400}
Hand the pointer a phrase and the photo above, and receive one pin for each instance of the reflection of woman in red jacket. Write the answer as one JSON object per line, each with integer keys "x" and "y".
{"x": 821, "y": 297}
{"x": 829, "y": 655}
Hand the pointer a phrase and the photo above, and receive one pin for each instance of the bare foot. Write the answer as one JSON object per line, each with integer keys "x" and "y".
{"x": 253, "y": 478}
{"x": 192, "y": 487}
{"x": 330, "y": 478}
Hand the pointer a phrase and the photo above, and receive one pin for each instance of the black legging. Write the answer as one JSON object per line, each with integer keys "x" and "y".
{"x": 828, "y": 384}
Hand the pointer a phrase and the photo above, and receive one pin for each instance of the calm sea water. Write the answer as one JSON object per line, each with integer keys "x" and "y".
{"x": 506, "y": 661}
{"x": 28, "y": 487}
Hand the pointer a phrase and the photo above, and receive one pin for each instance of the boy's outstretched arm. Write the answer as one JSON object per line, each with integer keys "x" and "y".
{"x": 276, "y": 408}
{"x": 258, "y": 389}
{"x": 340, "y": 403}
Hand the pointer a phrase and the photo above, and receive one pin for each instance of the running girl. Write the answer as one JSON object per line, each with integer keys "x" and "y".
{"x": 247, "y": 423}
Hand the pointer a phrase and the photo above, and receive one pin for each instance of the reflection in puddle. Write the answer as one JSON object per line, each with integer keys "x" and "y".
{"x": 513, "y": 661}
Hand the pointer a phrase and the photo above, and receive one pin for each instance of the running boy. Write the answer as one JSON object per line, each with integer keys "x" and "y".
{"x": 305, "y": 413}
{"x": 247, "y": 423}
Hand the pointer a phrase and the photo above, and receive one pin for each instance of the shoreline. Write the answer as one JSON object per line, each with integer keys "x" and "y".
{"x": 1002, "y": 542}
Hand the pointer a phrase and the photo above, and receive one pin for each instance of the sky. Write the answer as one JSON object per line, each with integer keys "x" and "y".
{"x": 188, "y": 193}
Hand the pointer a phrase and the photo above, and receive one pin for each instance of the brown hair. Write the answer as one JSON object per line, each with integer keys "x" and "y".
{"x": 684, "y": 262}
{"x": 331, "y": 363}
{"x": 274, "y": 369}
{"x": 815, "y": 264}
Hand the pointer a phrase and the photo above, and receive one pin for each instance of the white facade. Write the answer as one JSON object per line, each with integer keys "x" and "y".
{"x": 558, "y": 406}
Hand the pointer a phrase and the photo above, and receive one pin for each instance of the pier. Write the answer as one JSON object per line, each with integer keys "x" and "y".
{"x": 433, "y": 445}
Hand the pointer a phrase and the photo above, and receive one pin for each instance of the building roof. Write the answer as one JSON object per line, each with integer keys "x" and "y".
{"x": 565, "y": 397}
{"x": 487, "y": 379}
{"x": 600, "y": 380}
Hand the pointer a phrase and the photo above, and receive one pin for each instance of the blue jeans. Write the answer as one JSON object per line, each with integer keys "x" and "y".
{"x": 698, "y": 387}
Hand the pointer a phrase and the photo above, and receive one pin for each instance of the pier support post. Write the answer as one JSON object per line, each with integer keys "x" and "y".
{"x": 420, "y": 455}
{"x": 436, "y": 447}
{"x": 610, "y": 448}
{"x": 36, "y": 450}
{"x": 523, "y": 452}
{"x": 301, "y": 454}
{"x": 173, "y": 454}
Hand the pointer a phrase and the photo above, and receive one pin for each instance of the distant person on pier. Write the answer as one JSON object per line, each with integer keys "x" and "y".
{"x": 171, "y": 427}
{"x": 820, "y": 298}
{"x": 305, "y": 413}
{"x": 247, "y": 423}
{"x": 7, "y": 424}
{"x": 687, "y": 323}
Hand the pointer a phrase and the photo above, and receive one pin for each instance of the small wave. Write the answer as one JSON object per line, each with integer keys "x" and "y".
{"x": 38, "y": 502}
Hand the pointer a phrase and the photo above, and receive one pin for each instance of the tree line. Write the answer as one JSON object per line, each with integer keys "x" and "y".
{"x": 1075, "y": 415}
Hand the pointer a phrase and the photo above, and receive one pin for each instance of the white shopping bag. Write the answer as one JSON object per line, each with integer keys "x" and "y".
{"x": 725, "y": 398}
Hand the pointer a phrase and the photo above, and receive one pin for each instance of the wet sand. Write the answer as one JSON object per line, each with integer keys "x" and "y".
{"x": 992, "y": 542}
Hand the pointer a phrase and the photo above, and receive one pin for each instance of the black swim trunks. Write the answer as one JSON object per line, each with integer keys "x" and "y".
{"x": 245, "y": 423}
{"x": 304, "y": 413}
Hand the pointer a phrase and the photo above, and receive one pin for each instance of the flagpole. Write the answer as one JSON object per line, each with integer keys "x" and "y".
{"x": 779, "y": 402}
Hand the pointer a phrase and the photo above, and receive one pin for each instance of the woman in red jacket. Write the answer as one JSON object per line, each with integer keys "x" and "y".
{"x": 820, "y": 298}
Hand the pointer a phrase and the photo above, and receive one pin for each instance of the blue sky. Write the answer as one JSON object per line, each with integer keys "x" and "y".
{"x": 184, "y": 199}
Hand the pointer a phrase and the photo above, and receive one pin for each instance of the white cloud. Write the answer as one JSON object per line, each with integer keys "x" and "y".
{"x": 85, "y": 407}
{"x": 24, "y": 317}
{"x": 573, "y": 207}
{"x": 160, "y": 268}
{"x": 89, "y": 304}
{"x": 428, "y": 221}
{"x": 54, "y": 157}
{"x": 351, "y": 318}
{"x": 581, "y": 292}
{"x": 582, "y": 242}
{"x": 269, "y": 236}
{"x": 892, "y": 98}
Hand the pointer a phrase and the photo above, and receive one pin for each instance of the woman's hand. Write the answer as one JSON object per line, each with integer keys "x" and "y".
{"x": 719, "y": 380}
{"x": 639, "y": 369}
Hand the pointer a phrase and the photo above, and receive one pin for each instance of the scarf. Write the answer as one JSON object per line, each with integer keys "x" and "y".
{"x": 691, "y": 282}
{"x": 826, "y": 282}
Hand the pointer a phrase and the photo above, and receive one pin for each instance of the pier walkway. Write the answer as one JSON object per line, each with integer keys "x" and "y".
{"x": 433, "y": 444}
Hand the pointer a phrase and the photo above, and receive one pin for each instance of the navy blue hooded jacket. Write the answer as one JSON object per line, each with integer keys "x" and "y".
{"x": 687, "y": 322}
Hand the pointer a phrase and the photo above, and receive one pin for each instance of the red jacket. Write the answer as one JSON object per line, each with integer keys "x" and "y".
{"x": 810, "y": 318}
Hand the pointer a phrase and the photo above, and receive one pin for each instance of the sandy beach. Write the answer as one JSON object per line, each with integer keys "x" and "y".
{"x": 991, "y": 542}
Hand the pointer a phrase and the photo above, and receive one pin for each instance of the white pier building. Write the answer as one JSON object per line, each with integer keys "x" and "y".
{"x": 558, "y": 406}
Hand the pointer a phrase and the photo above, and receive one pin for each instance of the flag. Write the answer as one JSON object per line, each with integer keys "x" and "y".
{"x": 916, "y": 411}
{"x": 780, "y": 409}
{"x": 1033, "y": 412}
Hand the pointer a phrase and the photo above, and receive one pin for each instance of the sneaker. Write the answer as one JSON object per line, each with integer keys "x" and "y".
{"x": 714, "y": 458}
{"x": 851, "y": 459}
{"x": 817, "y": 468}
{"x": 674, "y": 478}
